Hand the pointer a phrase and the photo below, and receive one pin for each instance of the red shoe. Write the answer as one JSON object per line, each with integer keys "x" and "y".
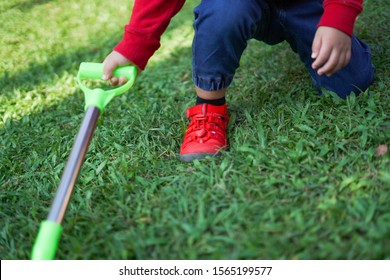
{"x": 206, "y": 133}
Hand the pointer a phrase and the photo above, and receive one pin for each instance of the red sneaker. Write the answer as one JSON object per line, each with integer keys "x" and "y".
{"x": 206, "y": 133}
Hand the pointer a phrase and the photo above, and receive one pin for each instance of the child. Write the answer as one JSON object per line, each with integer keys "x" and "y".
{"x": 320, "y": 31}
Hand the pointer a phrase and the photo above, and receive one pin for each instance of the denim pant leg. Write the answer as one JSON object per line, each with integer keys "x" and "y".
{"x": 222, "y": 29}
{"x": 300, "y": 25}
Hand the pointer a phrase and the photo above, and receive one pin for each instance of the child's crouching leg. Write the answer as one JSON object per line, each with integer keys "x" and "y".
{"x": 222, "y": 29}
{"x": 300, "y": 25}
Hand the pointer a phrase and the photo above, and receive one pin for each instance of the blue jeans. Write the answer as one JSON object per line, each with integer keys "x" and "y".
{"x": 223, "y": 27}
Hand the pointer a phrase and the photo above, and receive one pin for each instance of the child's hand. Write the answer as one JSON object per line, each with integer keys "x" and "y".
{"x": 331, "y": 50}
{"x": 112, "y": 61}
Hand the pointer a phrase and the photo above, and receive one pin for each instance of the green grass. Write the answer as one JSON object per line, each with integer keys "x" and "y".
{"x": 300, "y": 181}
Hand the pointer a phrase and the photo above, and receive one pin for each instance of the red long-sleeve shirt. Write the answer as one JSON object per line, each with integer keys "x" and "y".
{"x": 150, "y": 18}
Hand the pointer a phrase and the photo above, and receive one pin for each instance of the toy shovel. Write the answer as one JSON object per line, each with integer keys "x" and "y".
{"x": 96, "y": 100}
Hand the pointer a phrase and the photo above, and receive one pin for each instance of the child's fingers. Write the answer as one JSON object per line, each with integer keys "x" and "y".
{"x": 332, "y": 64}
{"x": 114, "y": 81}
{"x": 322, "y": 57}
{"x": 316, "y": 46}
{"x": 336, "y": 61}
{"x": 122, "y": 80}
{"x": 112, "y": 61}
{"x": 331, "y": 50}
{"x": 108, "y": 68}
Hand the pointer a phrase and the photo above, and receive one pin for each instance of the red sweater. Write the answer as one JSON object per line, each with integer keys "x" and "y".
{"x": 150, "y": 18}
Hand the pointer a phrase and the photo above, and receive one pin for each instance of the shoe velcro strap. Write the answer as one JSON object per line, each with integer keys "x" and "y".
{"x": 215, "y": 122}
{"x": 210, "y": 131}
{"x": 203, "y": 109}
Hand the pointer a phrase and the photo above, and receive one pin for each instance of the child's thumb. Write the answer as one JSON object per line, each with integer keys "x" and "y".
{"x": 108, "y": 68}
{"x": 317, "y": 44}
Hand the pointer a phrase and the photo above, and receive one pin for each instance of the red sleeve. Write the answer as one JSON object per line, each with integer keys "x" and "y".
{"x": 341, "y": 14}
{"x": 148, "y": 21}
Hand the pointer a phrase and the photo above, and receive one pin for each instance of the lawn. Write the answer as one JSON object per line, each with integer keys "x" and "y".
{"x": 302, "y": 178}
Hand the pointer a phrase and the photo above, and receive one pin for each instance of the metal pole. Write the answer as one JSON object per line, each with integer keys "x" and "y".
{"x": 73, "y": 166}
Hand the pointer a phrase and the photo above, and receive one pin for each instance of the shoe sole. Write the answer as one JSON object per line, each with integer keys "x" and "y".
{"x": 191, "y": 157}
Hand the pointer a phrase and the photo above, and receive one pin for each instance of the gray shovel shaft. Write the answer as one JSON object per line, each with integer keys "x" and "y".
{"x": 73, "y": 165}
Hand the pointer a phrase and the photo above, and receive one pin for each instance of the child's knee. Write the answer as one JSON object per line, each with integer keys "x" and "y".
{"x": 359, "y": 75}
{"x": 345, "y": 83}
{"x": 363, "y": 81}
{"x": 228, "y": 16}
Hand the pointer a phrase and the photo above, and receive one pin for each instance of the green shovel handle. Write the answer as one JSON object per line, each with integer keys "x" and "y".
{"x": 46, "y": 243}
{"x": 98, "y": 97}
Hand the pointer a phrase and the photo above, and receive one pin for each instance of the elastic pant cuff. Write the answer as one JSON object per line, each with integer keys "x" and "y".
{"x": 212, "y": 84}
